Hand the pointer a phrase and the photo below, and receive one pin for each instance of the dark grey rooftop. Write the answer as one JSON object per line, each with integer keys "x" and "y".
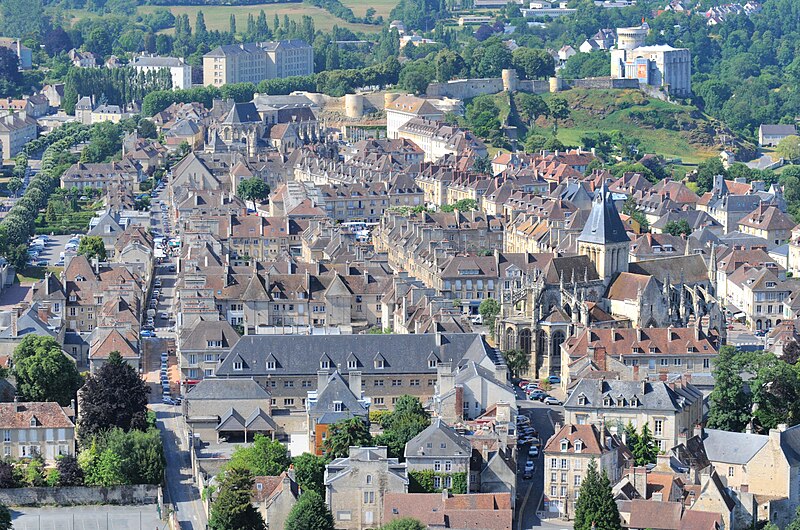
{"x": 604, "y": 224}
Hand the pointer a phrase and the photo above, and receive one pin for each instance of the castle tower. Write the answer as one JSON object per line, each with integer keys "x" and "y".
{"x": 604, "y": 238}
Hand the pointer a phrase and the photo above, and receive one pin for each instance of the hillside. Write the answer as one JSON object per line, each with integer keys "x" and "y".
{"x": 674, "y": 131}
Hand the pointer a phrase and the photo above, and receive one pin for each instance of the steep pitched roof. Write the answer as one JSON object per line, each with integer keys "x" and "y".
{"x": 604, "y": 225}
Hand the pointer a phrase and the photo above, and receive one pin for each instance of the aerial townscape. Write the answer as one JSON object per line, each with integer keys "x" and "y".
{"x": 399, "y": 265}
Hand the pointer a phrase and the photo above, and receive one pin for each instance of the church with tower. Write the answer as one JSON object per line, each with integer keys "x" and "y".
{"x": 599, "y": 288}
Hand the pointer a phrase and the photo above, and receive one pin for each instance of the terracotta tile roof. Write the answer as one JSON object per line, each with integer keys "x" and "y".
{"x": 265, "y": 486}
{"x": 767, "y": 218}
{"x": 19, "y": 415}
{"x": 655, "y": 515}
{"x": 588, "y": 434}
{"x": 484, "y": 511}
{"x": 622, "y": 341}
{"x": 627, "y": 285}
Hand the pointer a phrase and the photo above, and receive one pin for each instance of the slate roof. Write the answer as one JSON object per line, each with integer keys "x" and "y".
{"x": 782, "y": 130}
{"x": 429, "y": 442}
{"x": 732, "y": 447}
{"x": 652, "y": 396}
{"x": 604, "y": 224}
{"x": 242, "y": 113}
{"x": 337, "y": 390}
{"x": 234, "y": 389}
{"x": 197, "y": 337}
{"x": 301, "y": 355}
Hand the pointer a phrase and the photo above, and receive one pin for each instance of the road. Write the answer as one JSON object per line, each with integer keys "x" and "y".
{"x": 542, "y": 418}
{"x": 180, "y": 491}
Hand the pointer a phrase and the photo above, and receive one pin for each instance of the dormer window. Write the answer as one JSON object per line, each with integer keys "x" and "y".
{"x": 237, "y": 366}
{"x": 270, "y": 365}
{"x": 578, "y": 446}
{"x": 352, "y": 364}
{"x": 337, "y": 406}
{"x": 652, "y": 349}
{"x": 620, "y": 401}
{"x": 325, "y": 364}
{"x": 582, "y": 400}
{"x": 564, "y": 446}
{"x": 33, "y": 422}
{"x": 379, "y": 363}
{"x": 606, "y": 401}
{"x": 634, "y": 402}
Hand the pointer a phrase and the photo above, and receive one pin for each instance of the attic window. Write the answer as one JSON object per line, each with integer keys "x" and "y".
{"x": 338, "y": 407}
{"x": 606, "y": 401}
{"x": 432, "y": 363}
{"x": 634, "y": 402}
{"x": 352, "y": 364}
{"x": 270, "y": 365}
{"x": 581, "y": 400}
{"x": 379, "y": 363}
{"x": 34, "y": 423}
{"x": 564, "y": 446}
{"x": 652, "y": 349}
{"x": 325, "y": 364}
{"x": 237, "y": 366}
{"x": 770, "y": 285}
{"x": 259, "y": 486}
{"x": 578, "y": 446}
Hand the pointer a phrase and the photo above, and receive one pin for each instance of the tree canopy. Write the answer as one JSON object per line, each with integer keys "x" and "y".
{"x": 729, "y": 402}
{"x": 595, "y": 508}
{"x": 309, "y": 472}
{"x": 92, "y": 247}
{"x": 252, "y": 189}
{"x": 309, "y": 513}
{"x": 44, "y": 372}
{"x": 114, "y": 396}
{"x": 404, "y": 523}
{"x": 265, "y": 457}
{"x": 345, "y": 434}
{"x": 233, "y": 507}
{"x": 399, "y": 426}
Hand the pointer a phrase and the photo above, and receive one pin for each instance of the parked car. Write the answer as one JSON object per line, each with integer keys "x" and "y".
{"x": 757, "y": 333}
{"x": 167, "y": 400}
{"x": 550, "y": 400}
{"x": 553, "y": 379}
{"x": 532, "y": 386}
{"x": 533, "y": 452}
{"x": 524, "y": 383}
{"x": 476, "y": 319}
{"x": 528, "y": 473}
{"x": 147, "y": 333}
{"x": 164, "y": 356}
{"x": 537, "y": 395}
{"x": 536, "y": 442}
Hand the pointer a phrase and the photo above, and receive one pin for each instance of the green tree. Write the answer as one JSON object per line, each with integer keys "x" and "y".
{"x": 5, "y": 518}
{"x": 678, "y": 228}
{"x": 92, "y": 247}
{"x": 102, "y": 468}
{"x": 775, "y": 391}
{"x": 252, "y": 189}
{"x": 533, "y": 64}
{"x": 233, "y": 507}
{"x": 309, "y": 513}
{"x": 517, "y": 361}
{"x": 14, "y": 185}
{"x": 114, "y": 396}
{"x": 44, "y": 372}
{"x": 789, "y": 148}
{"x": 404, "y": 523}
{"x": 706, "y": 171}
{"x": 595, "y": 508}
{"x": 645, "y": 450}
{"x": 631, "y": 209}
{"x": 558, "y": 109}
{"x": 729, "y": 403}
{"x": 529, "y": 107}
{"x": 265, "y": 457}
{"x": 489, "y": 309}
{"x": 407, "y": 420}
{"x": 345, "y": 434}
{"x": 309, "y": 471}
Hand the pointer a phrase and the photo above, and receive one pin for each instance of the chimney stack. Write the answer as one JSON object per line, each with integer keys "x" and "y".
{"x": 322, "y": 380}
{"x": 354, "y": 382}
{"x": 14, "y": 323}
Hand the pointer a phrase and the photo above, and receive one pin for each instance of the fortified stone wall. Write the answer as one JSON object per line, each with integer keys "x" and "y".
{"x": 71, "y": 496}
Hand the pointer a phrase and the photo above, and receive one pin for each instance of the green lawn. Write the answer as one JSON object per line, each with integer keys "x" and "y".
{"x": 606, "y": 111}
{"x": 218, "y": 17}
{"x": 381, "y": 7}
{"x": 31, "y": 275}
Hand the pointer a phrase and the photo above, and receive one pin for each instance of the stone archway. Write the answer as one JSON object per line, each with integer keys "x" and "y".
{"x": 759, "y": 325}
{"x": 511, "y": 342}
{"x": 556, "y": 340}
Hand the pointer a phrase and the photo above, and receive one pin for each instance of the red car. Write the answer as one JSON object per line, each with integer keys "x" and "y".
{"x": 523, "y": 383}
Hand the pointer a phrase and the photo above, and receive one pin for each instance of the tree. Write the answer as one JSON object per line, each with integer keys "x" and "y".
{"x": 233, "y": 507}
{"x": 345, "y": 434}
{"x": 791, "y": 352}
{"x": 644, "y": 449}
{"x": 678, "y": 228}
{"x": 558, "y": 109}
{"x": 730, "y": 405}
{"x": 631, "y": 209}
{"x": 69, "y": 471}
{"x": 92, "y": 247}
{"x": 407, "y": 420}
{"x": 309, "y": 471}
{"x": 595, "y": 508}
{"x": 789, "y": 148}
{"x": 309, "y": 513}
{"x": 530, "y": 106}
{"x": 7, "y": 477}
{"x": 44, "y": 372}
{"x": 517, "y": 361}
{"x": 265, "y": 457}
{"x": 14, "y": 185}
{"x": 114, "y": 396}
{"x": 5, "y": 518}
{"x": 489, "y": 309}
{"x": 404, "y": 523}
{"x": 533, "y": 64}
{"x": 252, "y": 189}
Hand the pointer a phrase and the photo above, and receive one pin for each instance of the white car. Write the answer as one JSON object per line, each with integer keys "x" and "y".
{"x": 533, "y": 452}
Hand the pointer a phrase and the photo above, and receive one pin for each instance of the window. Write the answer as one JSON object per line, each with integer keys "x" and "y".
{"x": 437, "y": 482}
{"x": 553, "y": 477}
{"x": 237, "y": 366}
{"x": 658, "y": 427}
{"x": 7, "y": 435}
{"x": 664, "y": 362}
{"x": 414, "y": 382}
{"x": 563, "y": 476}
{"x": 378, "y": 363}
{"x": 306, "y": 384}
{"x": 397, "y": 382}
{"x": 552, "y": 491}
{"x": 325, "y": 365}
{"x": 581, "y": 400}
{"x": 378, "y": 382}
{"x": 369, "y": 497}
{"x": 706, "y": 363}
{"x": 448, "y": 465}
{"x": 352, "y": 364}
{"x": 343, "y": 516}
{"x": 578, "y": 446}
{"x": 377, "y": 400}
{"x": 564, "y": 463}
{"x": 730, "y": 471}
{"x": 677, "y": 362}
{"x": 369, "y": 479}
{"x": 288, "y": 402}
{"x": 563, "y": 491}
{"x": 437, "y": 465}
{"x": 564, "y": 446}
{"x": 432, "y": 363}
{"x": 553, "y": 463}
{"x": 270, "y": 365}
{"x": 288, "y": 384}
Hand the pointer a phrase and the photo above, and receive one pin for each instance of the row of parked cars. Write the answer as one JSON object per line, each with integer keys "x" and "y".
{"x": 535, "y": 393}
{"x": 528, "y": 435}
{"x": 35, "y": 248}
{"x": 166, "y": 389}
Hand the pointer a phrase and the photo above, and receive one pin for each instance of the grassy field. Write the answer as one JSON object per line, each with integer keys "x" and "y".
{"x": 381, "y": 7}
{"x": 218, "y": 17}
{"x": 631, "y": 113}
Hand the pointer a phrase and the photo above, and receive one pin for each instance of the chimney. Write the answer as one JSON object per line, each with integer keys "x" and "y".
{"x": 354, "y": 382}
{"x": 445, "y": 495}
{"x": 322, "y": 381}
{"x": 663, "y": 462}
{"x": 446, "y": 377}
{"x": 14, "y": 317}
{"x": 698, "y": 431}
{"x": 96, "y": 263}
{"x": 640, "y": 481}
{"x": 502, "y": 412}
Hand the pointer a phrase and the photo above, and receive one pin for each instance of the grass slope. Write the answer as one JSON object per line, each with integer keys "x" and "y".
{"x": 381, "y": 7}
{"x": 674, "y": 131}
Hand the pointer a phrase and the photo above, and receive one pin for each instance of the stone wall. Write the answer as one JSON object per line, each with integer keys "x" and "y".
{"x": 465, "y": 88}
{"x": 470, "y": 88}
{"x": 603, "y": 83}
{"x": 71, "y": 496}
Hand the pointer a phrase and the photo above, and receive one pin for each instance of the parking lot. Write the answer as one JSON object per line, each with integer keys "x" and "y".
{"x": 88, "y": 518}
{"x": 53, "y": 248}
